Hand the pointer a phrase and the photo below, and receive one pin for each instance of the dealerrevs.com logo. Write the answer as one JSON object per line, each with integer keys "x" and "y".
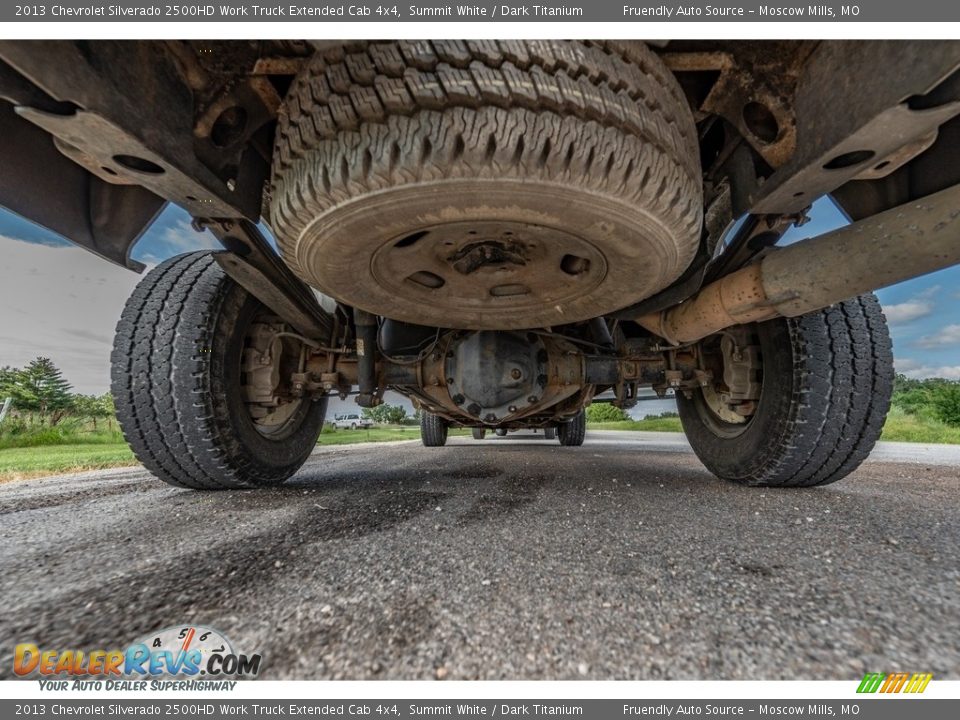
{"x": 182, "y": 651}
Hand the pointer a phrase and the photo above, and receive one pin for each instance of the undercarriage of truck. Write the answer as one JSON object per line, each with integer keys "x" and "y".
{"x": 502, "y": 231}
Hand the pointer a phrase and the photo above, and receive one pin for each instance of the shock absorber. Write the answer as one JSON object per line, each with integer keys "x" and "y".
{"x": 366, "y": 325}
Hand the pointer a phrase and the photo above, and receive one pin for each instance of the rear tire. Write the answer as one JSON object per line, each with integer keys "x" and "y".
{"x": 177, "y": 383}
{"x": 549, "y": 433}
{"x": 433, "y": 430}
{"x": 479, "y": 433}
{"x": 573, "y": 432}
{"x": 827, "y": 382}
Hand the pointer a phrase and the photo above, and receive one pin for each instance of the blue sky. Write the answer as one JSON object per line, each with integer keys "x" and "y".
{"x": 63, "y": 302}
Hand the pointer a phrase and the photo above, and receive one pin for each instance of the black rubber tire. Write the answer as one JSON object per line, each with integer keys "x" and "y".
{"x": 176, "y": 382}
{"x": 573, "y": 432}
{"x": 587, "y": 137}
{"x": 353, "y": 426}
{"x": 501, "y": 432}
{"x": 433, "y": 430}
{"x": 549, "y": 433}
{"x": 827, "y": 382}
{"x": 479, "y": 433}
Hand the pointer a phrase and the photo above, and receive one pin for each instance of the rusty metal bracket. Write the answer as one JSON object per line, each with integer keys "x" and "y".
{"x": 853, "y": 116}
{"x": 754, "y": 91}
{"x": 259, "y": 270}
{"x": 880, "y": 146}
{"x": 135, "y": 116}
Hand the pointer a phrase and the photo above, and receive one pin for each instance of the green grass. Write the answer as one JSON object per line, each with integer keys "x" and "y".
{"x": 900, "y": 427}
{"x": 87, "y": 451}
{"x": 66, "y": 435}
{"x": 390, "y": 433}
{"x": 658, "y": 424}
{"x": 904, "y": 427}
{"x": 18, "y": 463}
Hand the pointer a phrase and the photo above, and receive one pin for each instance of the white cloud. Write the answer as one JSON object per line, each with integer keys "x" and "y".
{"x": 907, "y": 311}
{"x": 949, "y": 335}
{"x": 63, "y": 303}
{"x": 904, "y": 365}
{"x": 948, "y": 372}
{"x": 915, "y": 369}
{"x": 920, "y": 305}
{"x": 182, "y": 238}
{"x": 179, "y": 237}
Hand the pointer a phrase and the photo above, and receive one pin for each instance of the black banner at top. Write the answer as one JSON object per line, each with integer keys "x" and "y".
{"x": 472, "y": 11}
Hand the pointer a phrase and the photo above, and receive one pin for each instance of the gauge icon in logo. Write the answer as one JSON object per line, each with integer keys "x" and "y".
{"x": 187, "y": 649}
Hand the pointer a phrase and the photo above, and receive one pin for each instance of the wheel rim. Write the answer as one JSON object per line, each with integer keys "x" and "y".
{"x": 713, "y": 420}
{"x": 270, "y": 355}
{"x": 510, "y": 264}
{"x": 359, "y": 264}
{"x": 712, "y": 401}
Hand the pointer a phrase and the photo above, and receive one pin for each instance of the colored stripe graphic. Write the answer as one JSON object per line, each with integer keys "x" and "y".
{"x": 898, "y": 683}
{"x": 918, "y": 683}
{"x": 894, "y": 682}
{"x": 870, "y": 683}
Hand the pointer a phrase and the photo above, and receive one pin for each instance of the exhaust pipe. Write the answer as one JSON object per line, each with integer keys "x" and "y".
{"x": 901, "y": 243}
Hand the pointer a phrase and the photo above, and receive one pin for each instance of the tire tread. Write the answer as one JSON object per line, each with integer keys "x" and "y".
{"x": 433, "y": 429}
{"x": 162, "y": 378}
{"x": 842, "y": 381}
{"x": 573, "y": 432}
{"x": 611, "y": 121}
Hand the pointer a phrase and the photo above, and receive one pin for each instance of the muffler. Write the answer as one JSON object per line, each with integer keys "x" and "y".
{"x": 901, "y": 243}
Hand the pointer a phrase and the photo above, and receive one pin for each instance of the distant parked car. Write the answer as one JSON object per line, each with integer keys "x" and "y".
{"x": 351, "y": 421}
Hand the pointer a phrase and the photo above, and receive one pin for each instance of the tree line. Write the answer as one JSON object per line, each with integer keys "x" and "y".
{"x": 386, "y": 414}
{"x": 933, "y": 398}
{"x": 40, "y": 394}
{"x": 930, "y": 399}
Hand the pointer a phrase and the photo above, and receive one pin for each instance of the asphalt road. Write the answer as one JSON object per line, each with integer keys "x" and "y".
{"x": 508, "y": 558}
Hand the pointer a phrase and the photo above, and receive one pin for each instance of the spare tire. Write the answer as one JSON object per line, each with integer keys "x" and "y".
{"x": 486, "y": 184}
